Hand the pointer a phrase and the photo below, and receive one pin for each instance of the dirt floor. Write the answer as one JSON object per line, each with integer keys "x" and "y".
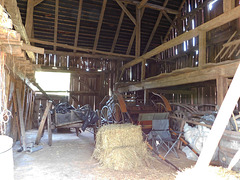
{"x": 69, "y": 158}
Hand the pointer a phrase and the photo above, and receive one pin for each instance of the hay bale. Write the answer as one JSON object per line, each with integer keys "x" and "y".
{"x": 120, "y": 147}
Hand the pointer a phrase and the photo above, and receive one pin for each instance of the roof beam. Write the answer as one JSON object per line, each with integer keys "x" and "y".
{"x": 78, "y": 48}
{"x": 78, "y": 24}
{"x": 169, "y": 19}
{"x": 151, "y": 6}
{"x": 36, "y": 2}
{"x": 126, "y": 11}
{"x": 133, "y": 36}
{"x": 155, "y": 27}
{"x": 212, "y": 24}
{"x": 118, "y": 30}
{"x": 179, "y": 10}
{"x": 99, "y": 25}
{"x": 142, "y": 4}
{"x": 95, "y": 56}
{"x": 13, "y": 10}
{"x": 29, "y": 18}
{"x": 56, "y": 23}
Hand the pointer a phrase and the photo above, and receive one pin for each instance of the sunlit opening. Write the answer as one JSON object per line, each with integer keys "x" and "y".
{"x": 210, "y": 6}
{"x": 52, "y": 81}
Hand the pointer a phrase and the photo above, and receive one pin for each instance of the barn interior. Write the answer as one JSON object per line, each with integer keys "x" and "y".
{"x": 78, "y": 76}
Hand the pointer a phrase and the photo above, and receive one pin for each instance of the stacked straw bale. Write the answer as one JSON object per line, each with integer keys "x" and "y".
{"x": 121, "y": 147}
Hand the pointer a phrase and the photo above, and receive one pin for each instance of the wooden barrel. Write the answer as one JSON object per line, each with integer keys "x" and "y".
{"x": 228, "y": 147}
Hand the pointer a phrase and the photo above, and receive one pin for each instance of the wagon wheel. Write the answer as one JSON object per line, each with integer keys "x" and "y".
{"x": 104, "y": 115}
{"x": 178, "y": 122}
{"x": 117, "y": 114}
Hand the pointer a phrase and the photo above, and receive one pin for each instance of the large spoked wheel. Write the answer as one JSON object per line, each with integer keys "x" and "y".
{"x": 117, "y": 114}
{"x": 177, "y": 122}
{"x": 104, "y": 115}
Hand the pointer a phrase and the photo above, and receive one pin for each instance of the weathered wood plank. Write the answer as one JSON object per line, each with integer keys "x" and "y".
{"x": 220, "y": 122}
{"x": 78, "y": 48}
{"x": 78, "y": 24}
{"x": 155, "y": 28}
{"x": 138, "y": 32}
{"x": 29, "y": 18}
{"x": 49, "y": 122}
{"x": 40, "y": 129}
{"x": 216, "y": 22}
{"x": 56, "y": 23}
{"x": 99, "y": 25}
{"x": 13, "y": 10}
{"x": 202, "y": 49}
{"x": 22, "y": 126}
{"x": 126, "y": 11}
{"x": 118, "y": 30}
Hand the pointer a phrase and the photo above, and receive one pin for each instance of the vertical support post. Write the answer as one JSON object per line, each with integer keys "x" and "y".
{"x": 145, "y": 96}
{"x": 56, "y": 23}
{"x": 22, "y": 127}
{"x": 222, "y": 87}
{"x": 228, "y": 5}
{"x": 202, "y": 49}
{"x": 143, "y": 71}
{"x": 138, "y": 32}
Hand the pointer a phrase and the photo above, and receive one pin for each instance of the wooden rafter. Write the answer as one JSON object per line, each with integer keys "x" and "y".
{"x": 133, "y": 36}
{"x": 214, "y": 23}
{"x": 126, "y": 11}
{"x": 169, "y": 19}
{"x": 29, "y": 18}
{"x": 36, "y": 2}
{"x": 78, "y": 23}
{"x": 56, "y": 23}
{"x": 13, "y": 10}
{"x": 78, "y": 48}
{"x": 99, "y": 25}
{"x": 118, "y": 30}
{"x": 142, "y": 4}
{"x": 95, "y": 56}
{"x": 155, "y": 27}
{"x": 151, "y": 6}
{"x": 179, "y": 10}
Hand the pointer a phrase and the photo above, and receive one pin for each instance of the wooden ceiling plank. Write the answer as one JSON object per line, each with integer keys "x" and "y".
{"x": 118, "y": 30}
{"x": 14, "y": 12}
{"x": 155, "y": 28}
{"x": 126, "y": 11}
{"x": 78, "y": 48}
{"x": 211, "y": 24}
{"x": 56, "y": 23}
{"x": 142, "y": 4}
{"x": 99, "y": 25}
{"x": 78, "y": 23}
{"x": 133, "y": 36}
